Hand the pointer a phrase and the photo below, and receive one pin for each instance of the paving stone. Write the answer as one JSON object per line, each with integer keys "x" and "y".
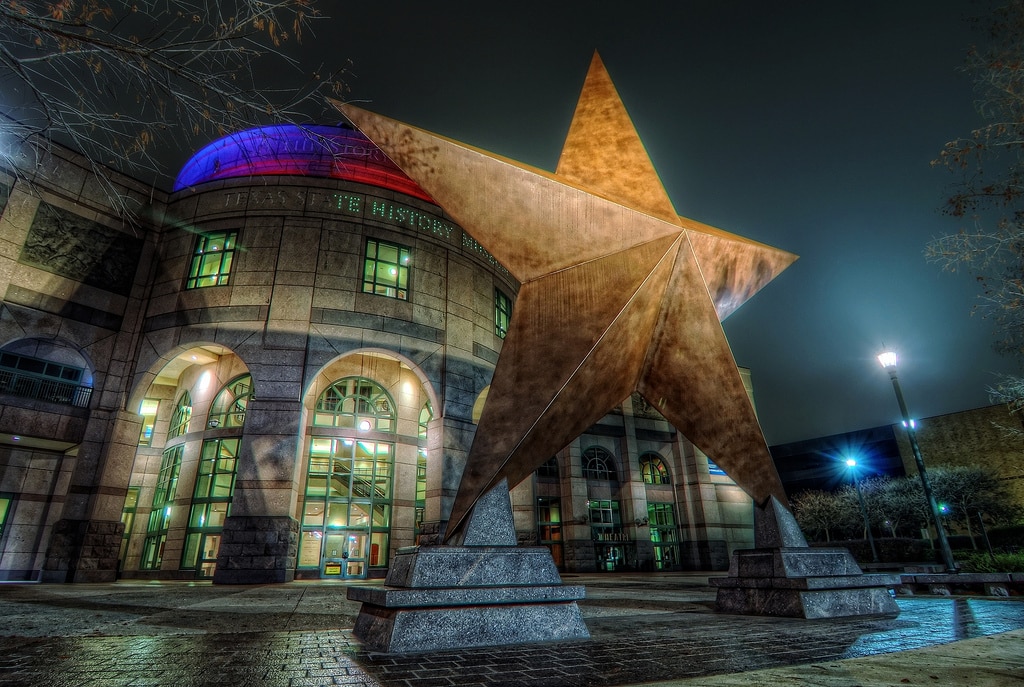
{"x": 197, "y": 634}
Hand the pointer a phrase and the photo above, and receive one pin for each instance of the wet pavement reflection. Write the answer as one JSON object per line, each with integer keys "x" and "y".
{"x": 643, "y": 629}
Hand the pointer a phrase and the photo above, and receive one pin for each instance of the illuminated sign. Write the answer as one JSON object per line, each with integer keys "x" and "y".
{"x": 358, "y": 206}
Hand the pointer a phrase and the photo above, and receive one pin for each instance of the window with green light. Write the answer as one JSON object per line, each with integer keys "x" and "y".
{"x": 148, "y": 409}
{"x": 652, "y": 469}
{"x": 502, "y": 312}
{"x": 426, "y": 415}
{"x": 349, "y": 478}
{"x": 421, "y": 489}
{"x": 348, "y": 487}
{"x": 211, "y": 259}
{"x": 131, "y": 505}
{"x": 5, "y": 508}
{"x": 355, "y": 403}
{"x": 160, "y": 515}
{"x": 230, "y": 403}
{"x": 386, "y": 269}
{"x": 211, "y": 504}
{"x": 664, "y": 534}
{"x": 182, "y": 416}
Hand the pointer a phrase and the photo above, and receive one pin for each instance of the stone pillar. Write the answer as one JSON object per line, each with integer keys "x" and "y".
{"x": 580, "y": 555}
{"x": 260, "y": 540}
{"x": 85, "y": 542}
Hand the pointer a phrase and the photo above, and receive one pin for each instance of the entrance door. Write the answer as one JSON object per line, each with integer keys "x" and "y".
{"x": 208, "y": 549}
{"x": 609, "y": 557}
{"x": 344, "y": 554}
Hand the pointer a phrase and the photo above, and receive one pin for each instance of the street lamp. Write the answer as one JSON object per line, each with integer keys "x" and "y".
{"x": 888, "y": 361}
{"x": 852, "y": 464}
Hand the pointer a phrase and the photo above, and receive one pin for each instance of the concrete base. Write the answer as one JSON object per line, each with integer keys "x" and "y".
{"x": 450, "y": 597}
{"x": 488, "y": 592}
{"x": 788, "y": 578}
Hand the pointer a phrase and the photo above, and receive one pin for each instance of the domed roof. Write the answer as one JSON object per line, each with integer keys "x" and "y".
{"x": 326, "y": 152}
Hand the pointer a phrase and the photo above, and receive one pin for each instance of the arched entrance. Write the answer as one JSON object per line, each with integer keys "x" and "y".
{"x": 365, "y": 452}
{"x": 182, "y": 483}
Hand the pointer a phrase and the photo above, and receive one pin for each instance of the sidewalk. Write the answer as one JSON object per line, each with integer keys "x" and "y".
{"x": 645, "y": 629}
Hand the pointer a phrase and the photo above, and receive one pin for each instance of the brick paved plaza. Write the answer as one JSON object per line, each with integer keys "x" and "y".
{"x": 644, "y": 629}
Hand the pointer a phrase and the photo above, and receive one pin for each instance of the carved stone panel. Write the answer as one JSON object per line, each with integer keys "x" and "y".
{"x": 78, "y": 248}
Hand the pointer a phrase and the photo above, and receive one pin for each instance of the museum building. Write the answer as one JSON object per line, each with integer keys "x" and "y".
{"x": 274, "y": 373}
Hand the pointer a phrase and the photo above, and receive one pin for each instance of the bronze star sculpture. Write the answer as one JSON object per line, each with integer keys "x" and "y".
{"x": 619, "y": 293}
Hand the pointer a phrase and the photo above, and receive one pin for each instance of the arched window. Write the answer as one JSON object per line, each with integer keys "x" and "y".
{"x": 598, "y": 463}
{"x": 426, "y": 415}
{"x": 653, "y": 469}
{"x": 181, "y": 417}
{"x": 346, "y": 517}
{"x": 356, "y": 403}
{"x": 549, "y": 469}
{"x": 229, "y": 406}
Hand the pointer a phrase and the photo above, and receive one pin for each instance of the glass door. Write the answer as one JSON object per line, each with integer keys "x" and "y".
{"x": 208, "y": 555}
{"x": 344, "y": 554}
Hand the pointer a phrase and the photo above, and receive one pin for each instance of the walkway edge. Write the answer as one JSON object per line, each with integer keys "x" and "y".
{"x": 990, "y": 661}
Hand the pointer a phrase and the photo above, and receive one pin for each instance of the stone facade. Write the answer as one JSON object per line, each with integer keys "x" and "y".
{"x": 128, "y": 466}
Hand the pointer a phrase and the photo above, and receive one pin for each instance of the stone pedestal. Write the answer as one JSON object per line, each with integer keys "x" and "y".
{"x": 257, "y": 550}
{"x": 785, "y": 577}
{"x": 487, "y": 593}
{"x": 83, "y": 551}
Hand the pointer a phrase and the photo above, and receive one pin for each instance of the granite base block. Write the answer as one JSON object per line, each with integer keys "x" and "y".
{"x": 810, "y": 604}
{"x": 799, "y": 582}
{"x": 406, "y": 630}
{"x": 451, "y": 597}
{"x": 471, "y": 566}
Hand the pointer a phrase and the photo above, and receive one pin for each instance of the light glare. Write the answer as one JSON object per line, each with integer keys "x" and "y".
{"x": 888, "y": 359}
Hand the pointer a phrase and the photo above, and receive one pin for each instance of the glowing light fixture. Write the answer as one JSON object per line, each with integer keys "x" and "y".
{"x": 888, "y": 359}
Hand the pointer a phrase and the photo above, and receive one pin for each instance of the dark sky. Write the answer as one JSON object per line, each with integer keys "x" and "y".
{"x": 805, "y": 125}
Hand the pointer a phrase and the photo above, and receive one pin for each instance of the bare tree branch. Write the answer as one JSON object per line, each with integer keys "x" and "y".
{"x": 116, "y": 80}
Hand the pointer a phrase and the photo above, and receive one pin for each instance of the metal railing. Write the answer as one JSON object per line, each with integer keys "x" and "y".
{"x": 26, "y": 385}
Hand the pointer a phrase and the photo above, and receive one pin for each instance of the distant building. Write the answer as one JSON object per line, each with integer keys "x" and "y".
{"x": 982, "y": 436}
{"x": 276, "y": 373}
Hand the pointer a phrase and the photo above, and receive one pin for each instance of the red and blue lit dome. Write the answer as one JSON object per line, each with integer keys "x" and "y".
{"x": 326, "y": 152}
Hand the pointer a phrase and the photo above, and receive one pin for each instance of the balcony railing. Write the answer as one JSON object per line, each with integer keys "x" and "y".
{"x": 27, "y": 385}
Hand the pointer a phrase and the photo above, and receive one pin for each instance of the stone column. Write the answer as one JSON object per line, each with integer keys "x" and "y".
{"x": 86, "y": 540}
{"x": 260, "y": 540}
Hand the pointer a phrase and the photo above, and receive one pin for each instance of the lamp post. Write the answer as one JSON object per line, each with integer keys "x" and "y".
{"x": 852, "y": 464}
{"x": 888, "y": 361}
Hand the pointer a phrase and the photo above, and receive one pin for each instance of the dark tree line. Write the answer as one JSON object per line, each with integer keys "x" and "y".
{"x": 896, "y": 506}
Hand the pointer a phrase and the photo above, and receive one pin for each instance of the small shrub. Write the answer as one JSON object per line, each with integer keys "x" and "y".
{"x": 983, "y": 563}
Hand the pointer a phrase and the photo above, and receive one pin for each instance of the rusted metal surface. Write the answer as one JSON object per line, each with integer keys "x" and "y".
{"x": 619, "y": 293}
